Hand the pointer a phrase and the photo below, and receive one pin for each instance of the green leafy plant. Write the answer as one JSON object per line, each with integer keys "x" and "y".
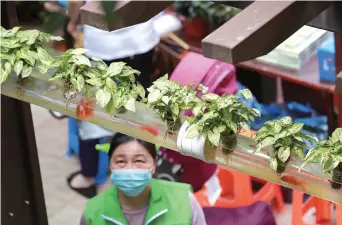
{"x": 328, "y": 154}
{"x": 216, "y": 13}
{"x": 115, "y": 84}
{"x": 77, "y": 73}
{"x": 22, "y": 50}
{"x": 169, "y": 99}
{"x": 285, "y": 137}
{"x": 220, "y": 118}
{"x": 119, "y": 89}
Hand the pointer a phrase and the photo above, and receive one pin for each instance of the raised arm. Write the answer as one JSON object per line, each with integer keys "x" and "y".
{"x": 74, "y": 14}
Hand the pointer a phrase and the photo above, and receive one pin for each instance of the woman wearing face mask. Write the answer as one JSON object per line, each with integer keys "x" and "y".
{"x": 136, "y": 198}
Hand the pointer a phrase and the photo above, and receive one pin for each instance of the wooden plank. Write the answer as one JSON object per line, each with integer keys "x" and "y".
{"x": 330, "y": 19}
{"x": 127, "y": 13}
{"x": 259, "y": 29}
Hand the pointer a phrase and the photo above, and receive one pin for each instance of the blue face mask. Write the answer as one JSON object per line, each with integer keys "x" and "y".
{"x": 131, "y": 181}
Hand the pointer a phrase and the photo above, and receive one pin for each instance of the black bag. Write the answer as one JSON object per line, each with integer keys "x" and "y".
{"x": 167, "y": 170}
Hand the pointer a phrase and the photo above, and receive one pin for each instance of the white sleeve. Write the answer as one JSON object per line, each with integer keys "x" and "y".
{"x": 198, "y": 217}
{"x": 165, "y": 23}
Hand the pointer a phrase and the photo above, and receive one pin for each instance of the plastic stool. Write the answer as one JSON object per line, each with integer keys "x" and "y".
{"x": 237, "y": 192}
{"x": 73, "y": 148}
{"x": 339, "y": 214}
{"x": 323, "y": 209}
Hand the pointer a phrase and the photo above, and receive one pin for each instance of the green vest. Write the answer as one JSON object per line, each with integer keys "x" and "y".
{"x": 169, "y": 205}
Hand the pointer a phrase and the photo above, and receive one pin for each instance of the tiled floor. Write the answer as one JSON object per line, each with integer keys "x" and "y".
{"x": 64, "y": 207}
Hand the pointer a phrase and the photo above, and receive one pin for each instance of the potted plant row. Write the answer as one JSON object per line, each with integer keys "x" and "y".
{"x": 217, "y": 119}
{"x": 22, "y": 51}
{"x": 221, "y": 118}
{"x": 169, "y": 100}
{"x": 116, "y": 86}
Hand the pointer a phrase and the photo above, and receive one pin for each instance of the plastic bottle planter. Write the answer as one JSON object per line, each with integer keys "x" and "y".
{"x": 281, "y": 165}
{"x": 229, "y": 142}
{"x": 198, "y": 147}
{"x": 121, "y": 110}
{"x": 337, "y": 177}
{"x": 172, "y": 126}
{"x": 190, "y": 147}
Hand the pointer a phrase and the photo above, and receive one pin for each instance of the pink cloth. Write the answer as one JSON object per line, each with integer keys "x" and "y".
{"x": 218, "y": 76}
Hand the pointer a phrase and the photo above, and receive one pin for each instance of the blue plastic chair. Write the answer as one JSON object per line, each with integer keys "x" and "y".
{"x": 73, "y": 148}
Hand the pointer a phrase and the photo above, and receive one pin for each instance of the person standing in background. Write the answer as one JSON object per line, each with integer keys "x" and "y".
{"x": 133, "y": 45}
{"x": 135, "y": 197}
{"x": 60, "y": 7}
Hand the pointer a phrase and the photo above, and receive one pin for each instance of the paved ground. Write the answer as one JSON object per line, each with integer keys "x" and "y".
{"x": 64, "y": 207}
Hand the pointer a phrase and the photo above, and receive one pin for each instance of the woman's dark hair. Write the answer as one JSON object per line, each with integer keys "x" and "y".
{"x": 120, "y": 139}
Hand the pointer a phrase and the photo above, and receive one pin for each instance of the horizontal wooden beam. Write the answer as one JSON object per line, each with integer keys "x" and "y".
{"x": 258, "y": 29}
{"x": 93, "y": 15}
{"x": 126, "y": 13}
{"x": 330, "y": 19}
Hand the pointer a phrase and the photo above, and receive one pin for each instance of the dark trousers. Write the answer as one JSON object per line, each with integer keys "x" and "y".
{"x": 89, "y": 156}
{"x": 143, "y": 63}
{"x": 68, "y": 38}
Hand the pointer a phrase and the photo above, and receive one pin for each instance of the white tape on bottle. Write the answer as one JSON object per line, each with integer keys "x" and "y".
{"x": 181, "y": 133}
{"x": 191, "y": 147}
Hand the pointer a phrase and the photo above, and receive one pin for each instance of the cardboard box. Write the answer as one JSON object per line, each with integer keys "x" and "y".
{"x": 298, "y": 49}
{"x": 326, "y": 61}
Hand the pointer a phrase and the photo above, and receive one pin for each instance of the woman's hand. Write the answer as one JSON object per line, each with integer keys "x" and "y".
{"x": 52, "y": 7}
{"x": 71, "y": 28}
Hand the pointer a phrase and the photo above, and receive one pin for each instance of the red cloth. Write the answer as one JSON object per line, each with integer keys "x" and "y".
{"x": 195, "y": 171}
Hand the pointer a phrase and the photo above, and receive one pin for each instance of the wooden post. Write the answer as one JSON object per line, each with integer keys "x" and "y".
{"x": 22, "y": 196}
{"x": 338, "y": 61}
